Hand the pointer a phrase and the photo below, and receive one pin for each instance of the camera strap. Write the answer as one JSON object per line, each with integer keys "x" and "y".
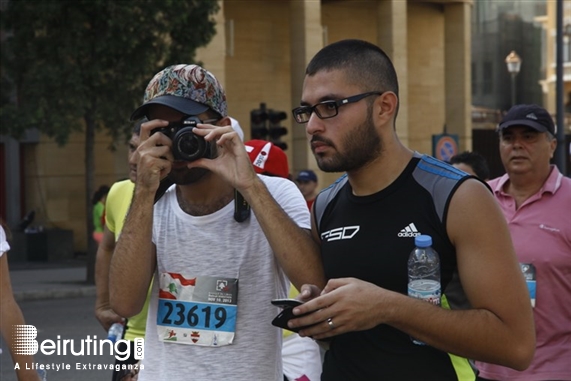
{"x": 241, "y": 207}
{"x": 163, "y": 186}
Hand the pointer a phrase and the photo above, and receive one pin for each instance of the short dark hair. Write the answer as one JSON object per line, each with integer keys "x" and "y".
{"x": 474, "y": 160}
{"x": 99, "y": 193}
{"x": 365, "y": 64}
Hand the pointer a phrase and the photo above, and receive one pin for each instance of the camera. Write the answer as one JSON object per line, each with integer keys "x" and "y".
{"x": 186, "y": 145}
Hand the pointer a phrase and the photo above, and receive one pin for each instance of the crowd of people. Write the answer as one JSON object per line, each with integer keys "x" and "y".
{"x": 232, "y": 229}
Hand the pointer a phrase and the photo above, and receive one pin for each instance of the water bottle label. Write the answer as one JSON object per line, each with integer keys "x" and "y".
{"x": 425, "y": 289}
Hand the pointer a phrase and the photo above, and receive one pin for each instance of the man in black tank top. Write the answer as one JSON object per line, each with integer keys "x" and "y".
{"x": 366, "y": 223}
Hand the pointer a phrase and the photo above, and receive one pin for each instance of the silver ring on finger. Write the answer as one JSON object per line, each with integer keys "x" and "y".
{"x": 330, "y": 323}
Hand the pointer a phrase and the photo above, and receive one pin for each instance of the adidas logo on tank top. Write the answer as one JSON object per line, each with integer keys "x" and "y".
{"x": 409, "y": 231}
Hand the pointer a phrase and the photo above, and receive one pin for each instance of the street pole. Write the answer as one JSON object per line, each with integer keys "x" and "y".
{"x": 513, "y": 88}
{"x": 513, "y": 63}
{"x": 559, "y": 157}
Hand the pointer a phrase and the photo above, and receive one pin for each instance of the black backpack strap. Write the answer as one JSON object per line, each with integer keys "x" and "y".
{"x": 163, "y": 186}
{"x": 324, "y": 198}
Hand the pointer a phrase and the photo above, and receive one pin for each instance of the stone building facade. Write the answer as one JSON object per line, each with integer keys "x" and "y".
{"x": 259, "y": 54}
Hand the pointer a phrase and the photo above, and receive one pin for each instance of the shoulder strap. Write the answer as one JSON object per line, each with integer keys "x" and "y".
{"x": 163, "y": 186}
{"x": 324, "y": 198}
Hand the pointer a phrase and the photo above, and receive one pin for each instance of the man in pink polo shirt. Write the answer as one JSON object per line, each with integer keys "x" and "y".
{"x": 536, "y": 201}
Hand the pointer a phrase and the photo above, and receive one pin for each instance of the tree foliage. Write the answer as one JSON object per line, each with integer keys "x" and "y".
{"x": 64, "y": 61}
{"x": 82, "y": 65}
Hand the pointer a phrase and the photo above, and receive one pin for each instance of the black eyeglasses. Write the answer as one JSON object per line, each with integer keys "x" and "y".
{"x": 327, "y": 109}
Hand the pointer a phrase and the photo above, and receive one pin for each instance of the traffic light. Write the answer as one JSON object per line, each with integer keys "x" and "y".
{"x": 276, "y": 131}
{"x": 258, "y": 123}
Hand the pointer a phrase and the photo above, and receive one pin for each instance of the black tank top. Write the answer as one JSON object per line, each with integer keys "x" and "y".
{"x": 370, "y": 238}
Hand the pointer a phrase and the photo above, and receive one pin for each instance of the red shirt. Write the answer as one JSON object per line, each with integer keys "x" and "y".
{"x": 310, "y": 203}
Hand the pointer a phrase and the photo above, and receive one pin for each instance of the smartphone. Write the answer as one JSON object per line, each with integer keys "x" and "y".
{"x": 285, "y": 303}
{"x": 286, "y": 314}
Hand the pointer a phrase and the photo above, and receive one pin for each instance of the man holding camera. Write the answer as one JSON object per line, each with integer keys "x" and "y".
{"x": 216, "y": 265}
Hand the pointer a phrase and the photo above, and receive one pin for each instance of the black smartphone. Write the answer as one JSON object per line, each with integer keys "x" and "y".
{"x": 286, "y": 314}
{"x": 285, "y": 303}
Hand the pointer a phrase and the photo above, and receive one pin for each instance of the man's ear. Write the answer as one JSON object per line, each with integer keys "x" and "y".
{"x": 553, "y": 146}
{"x": 386, "y": 106}
{"x": 224, "y": 121}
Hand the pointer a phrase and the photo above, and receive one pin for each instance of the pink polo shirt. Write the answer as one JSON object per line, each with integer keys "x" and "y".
{"x": 541, "y": 233}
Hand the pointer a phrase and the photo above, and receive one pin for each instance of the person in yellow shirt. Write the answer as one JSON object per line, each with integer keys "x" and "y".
{"x": 116, "y": 207}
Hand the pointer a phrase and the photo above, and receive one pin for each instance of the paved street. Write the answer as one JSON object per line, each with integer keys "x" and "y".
{"x": 70, "y": 318}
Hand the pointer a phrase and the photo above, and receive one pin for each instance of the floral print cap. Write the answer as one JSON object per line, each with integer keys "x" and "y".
{"x": 189, "y": 89}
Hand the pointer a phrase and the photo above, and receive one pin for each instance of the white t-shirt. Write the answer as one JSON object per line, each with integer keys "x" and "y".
{"x": 216, "y": 245}
{"x": 4, "y": 246}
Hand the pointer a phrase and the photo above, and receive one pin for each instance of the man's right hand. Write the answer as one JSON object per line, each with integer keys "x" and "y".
{"x": 153, "y": 156}
{"x": 106, "y": 317}
{"x": 308, "y": 292}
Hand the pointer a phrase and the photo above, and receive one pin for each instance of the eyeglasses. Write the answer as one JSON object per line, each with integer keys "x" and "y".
{"x": 327, "y": 109}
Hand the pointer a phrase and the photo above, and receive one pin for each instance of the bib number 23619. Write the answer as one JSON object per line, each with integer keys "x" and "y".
{"x": 192, "y": 315}
{"x": 197, "y": 310}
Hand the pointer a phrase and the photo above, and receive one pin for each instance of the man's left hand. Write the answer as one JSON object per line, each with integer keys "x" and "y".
{"x": 345, "y": 305}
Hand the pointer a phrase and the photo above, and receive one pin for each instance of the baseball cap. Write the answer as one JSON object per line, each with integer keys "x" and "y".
{"x": 189, "y": 89}
{"x": 307, "y": 175}
{"x": 267, "y": 158}
{"x": 533, "y": 116}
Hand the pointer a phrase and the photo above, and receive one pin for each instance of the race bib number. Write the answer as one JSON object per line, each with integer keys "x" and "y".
{"x": 198, "y": 310}
{"x": 528, "y": 271}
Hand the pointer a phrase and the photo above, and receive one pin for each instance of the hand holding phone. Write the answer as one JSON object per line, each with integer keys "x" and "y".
{"x": 286, "y": 314}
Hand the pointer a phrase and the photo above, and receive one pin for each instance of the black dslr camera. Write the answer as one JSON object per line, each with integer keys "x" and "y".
{"x": 186, "y": 145}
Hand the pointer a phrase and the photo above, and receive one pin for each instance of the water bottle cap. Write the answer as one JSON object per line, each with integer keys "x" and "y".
{"x": 423, "y": 240}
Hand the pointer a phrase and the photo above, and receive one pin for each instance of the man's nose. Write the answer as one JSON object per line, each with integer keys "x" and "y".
{"x": 314, "y": 124}
{"x": 518, "y": 140}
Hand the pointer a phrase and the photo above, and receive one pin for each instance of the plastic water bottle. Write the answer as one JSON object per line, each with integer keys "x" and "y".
{"x": 43, "y": 375}
{"x": 115, "y": 332}
{"x": 424, "y": 273}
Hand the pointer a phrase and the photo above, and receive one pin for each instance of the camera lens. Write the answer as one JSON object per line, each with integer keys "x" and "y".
{"x": 188, "y": 146}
